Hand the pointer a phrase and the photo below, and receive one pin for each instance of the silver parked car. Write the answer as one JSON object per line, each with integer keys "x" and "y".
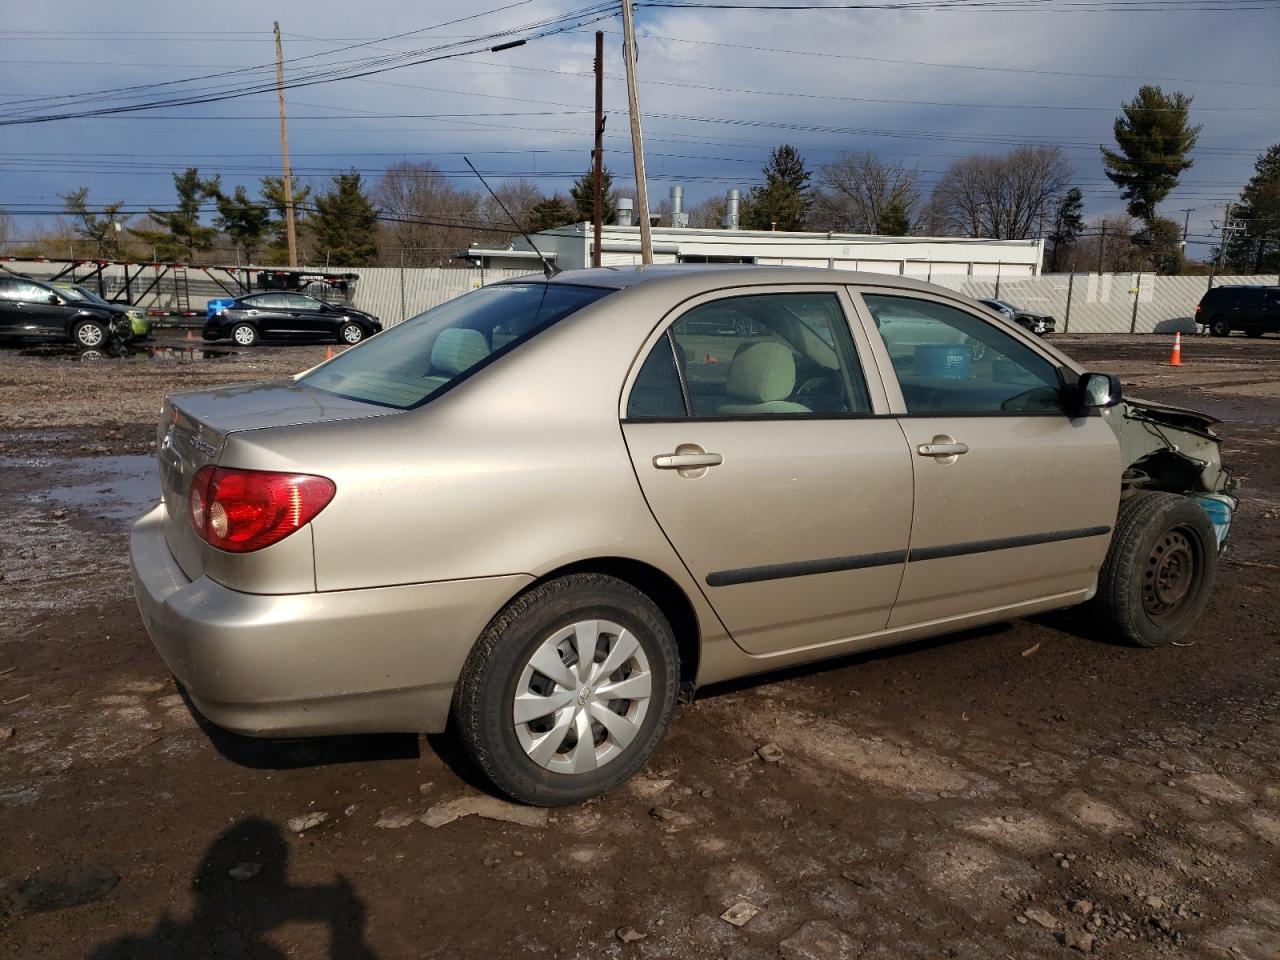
{"x": 549, "y": 509}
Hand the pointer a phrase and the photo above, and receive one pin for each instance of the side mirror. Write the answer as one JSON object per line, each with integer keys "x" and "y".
{"x": 54, "y": 299}
{"x": 1098, "y": 390}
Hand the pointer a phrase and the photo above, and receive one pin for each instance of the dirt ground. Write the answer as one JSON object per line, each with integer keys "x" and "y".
{"x": 1008, "y": 793}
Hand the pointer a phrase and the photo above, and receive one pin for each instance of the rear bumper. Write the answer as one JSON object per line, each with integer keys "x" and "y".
{"x": 379, "y": 660}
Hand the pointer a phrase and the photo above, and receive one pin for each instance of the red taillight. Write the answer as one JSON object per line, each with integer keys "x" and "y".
{"x": 245, "y": 510}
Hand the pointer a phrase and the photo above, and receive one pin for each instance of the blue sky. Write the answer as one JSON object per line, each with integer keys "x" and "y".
{"x": 978, "y": 82}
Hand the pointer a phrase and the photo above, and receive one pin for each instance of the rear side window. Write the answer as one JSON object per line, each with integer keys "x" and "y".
{"x": 949, "y": 361}
{"x": 413, "y": 361}
{"x": 754, "y": 356}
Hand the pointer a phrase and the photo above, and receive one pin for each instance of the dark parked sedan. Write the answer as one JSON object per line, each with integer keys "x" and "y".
{"x": 258, "y": 315}
{"x": 1039, "y": 324}
{"x": 29, "y": 308}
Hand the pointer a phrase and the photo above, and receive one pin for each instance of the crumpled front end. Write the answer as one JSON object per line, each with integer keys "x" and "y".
{"x": 1176, "y": 450}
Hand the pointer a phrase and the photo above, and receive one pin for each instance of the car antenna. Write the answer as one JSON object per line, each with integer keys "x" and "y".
{"x": 547, "y": 268}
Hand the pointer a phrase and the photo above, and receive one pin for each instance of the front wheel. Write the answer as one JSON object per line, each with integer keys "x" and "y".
{"x": 90, "y": 334}
{"x": 244, "y": 334}
{"x": 351, "y": 333}
{"x": 569, "y": 690}
{"x": 1220, "y": 327}
{"x": 1158, "y": 573}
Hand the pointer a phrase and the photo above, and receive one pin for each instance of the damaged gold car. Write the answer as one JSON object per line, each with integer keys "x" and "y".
{"x": 542, "y": 512}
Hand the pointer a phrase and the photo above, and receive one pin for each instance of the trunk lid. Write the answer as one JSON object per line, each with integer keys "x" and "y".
{"x": 194, "y": 427}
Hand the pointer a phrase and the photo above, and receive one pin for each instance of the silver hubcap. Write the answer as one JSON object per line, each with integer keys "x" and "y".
{"x": 90, "y": 335}
{"x": 582, "y": 697}
{"x": 244, "y": 336}
{"x": 352, "y": 334}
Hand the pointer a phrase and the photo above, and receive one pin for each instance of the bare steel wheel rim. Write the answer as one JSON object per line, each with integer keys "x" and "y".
{"x": 244, "y": 336}
{"x": 89, "y": 335}
{"x": 1172, "y": 576}
{"x": 582, "y": 696}
{"x": 352, "y": 333}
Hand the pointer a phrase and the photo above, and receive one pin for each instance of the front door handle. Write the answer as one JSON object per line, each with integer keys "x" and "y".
{"x": 944, "y": 449}
{"x": 686, "y": 461}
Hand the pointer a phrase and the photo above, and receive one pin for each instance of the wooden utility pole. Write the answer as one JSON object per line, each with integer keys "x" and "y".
{"x": 597, "y": 210}
{"x": 1102, "y": 247}
{"x": 637, "y": 139}
{"x": 289, "y": 228}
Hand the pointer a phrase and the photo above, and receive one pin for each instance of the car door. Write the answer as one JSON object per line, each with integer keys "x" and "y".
{"x": 1015, "y": 495}
{"x": 270, "y": 313}
{"x": 41, "y": 311}
{"x": 765, "y": 453}
{"x": 306, "y": 315}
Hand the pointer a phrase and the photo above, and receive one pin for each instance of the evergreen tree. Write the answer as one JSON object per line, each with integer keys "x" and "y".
{"x": 583, "y": 194}
{"x": 243, "y": 220}
{"x": 272, "y": 193}
{"x": 100, "y": 229}
{"x": 549, "y": 213}
{"x": 894, "y": 220}
{"x": 1155, "y": 139}
{"x": 345, "y": 223}
{"x": 1255, "y": 248}
{"x": 180, "y": 233}
{"x": 1068, "y": 224}
{"x": 784, "y": 200}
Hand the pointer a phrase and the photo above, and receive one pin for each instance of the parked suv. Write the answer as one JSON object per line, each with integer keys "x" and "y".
{"x": 1255, "y": 310}
{"x": 257, "y": 315}
{"x": 29, "y": 308}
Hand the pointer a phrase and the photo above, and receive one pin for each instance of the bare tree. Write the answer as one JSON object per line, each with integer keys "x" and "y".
{"x": 519, "y": 197}
{"x": 428, "y": 220}
{"x": 708, "y": 213}
{"x": 861, "y": 193}
{"x": 1003, "y": 198}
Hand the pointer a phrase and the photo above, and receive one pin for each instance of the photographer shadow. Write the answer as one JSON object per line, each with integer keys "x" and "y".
{"x": 231, "y": 917}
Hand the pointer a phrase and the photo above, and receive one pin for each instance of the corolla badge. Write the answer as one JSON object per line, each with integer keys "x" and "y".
{"x": 204, "y": 446}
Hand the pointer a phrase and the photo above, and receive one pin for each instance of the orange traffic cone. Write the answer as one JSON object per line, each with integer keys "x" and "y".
{"x": 1175, "y": 359}
{"x": 328, "y": 353}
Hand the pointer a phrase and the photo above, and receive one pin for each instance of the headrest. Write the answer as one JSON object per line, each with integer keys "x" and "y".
{"x": 457, "y": 349}
{"x": 762, "y": 373}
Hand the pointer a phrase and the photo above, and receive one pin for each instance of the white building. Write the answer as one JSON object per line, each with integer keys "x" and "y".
{"x": 569, "y": 248}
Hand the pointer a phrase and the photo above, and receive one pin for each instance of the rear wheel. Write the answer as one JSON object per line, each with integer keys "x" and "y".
{"x": 1159, "y": 571}
{"x": 1220, "y": 327}
{"x": 350, "y": 333}
{"x": 90, "y": 334}
{"x": 569, "y": 690}
{"x": 244, "y": 334}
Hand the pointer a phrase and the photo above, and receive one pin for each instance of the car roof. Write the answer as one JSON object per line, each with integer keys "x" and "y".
{"x": 714, "y": 276}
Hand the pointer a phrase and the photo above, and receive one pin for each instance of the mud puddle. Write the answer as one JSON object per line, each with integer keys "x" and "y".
{"x": 144, "y": 351}
{"x": 117, "y": 489}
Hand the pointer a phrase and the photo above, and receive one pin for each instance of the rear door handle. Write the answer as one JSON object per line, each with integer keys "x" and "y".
{"x": 938, "y": 448}
{"x": 686, "y": 461}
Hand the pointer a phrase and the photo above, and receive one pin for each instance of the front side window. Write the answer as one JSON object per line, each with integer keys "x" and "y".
{"x": 412, "y": 361}
{"x": 949, "y": 361}
{"x": 759, "y": 355}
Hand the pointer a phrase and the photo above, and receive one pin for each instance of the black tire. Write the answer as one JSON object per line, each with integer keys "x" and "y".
{"x": 1220, "y": 327}
{"x": 1158, "y": 573}
{"x": 89, "y": 335}
{"x": 244, "y": 335}
{"x": 483, "y": 701}
{"x": 350, "y": 333}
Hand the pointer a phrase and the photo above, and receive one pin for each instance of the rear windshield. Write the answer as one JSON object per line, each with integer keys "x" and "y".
{"x": 411, "y": 362}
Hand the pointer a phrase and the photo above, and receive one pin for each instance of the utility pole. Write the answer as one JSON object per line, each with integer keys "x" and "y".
{"x": 1186, "y": 225}
{"x": 289, "y": 228}
{"x": 597, "y": 210}
{"x": 1222, "y": 243}
{"x": 1102, "y": 247}
{"x": 637, "y": 139}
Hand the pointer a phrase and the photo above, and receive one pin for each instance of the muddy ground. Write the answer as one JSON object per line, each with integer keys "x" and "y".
{"x": 1006, "y": 793}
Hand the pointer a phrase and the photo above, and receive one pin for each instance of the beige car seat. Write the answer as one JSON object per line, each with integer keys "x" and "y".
{"x": 761, "y": 377}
